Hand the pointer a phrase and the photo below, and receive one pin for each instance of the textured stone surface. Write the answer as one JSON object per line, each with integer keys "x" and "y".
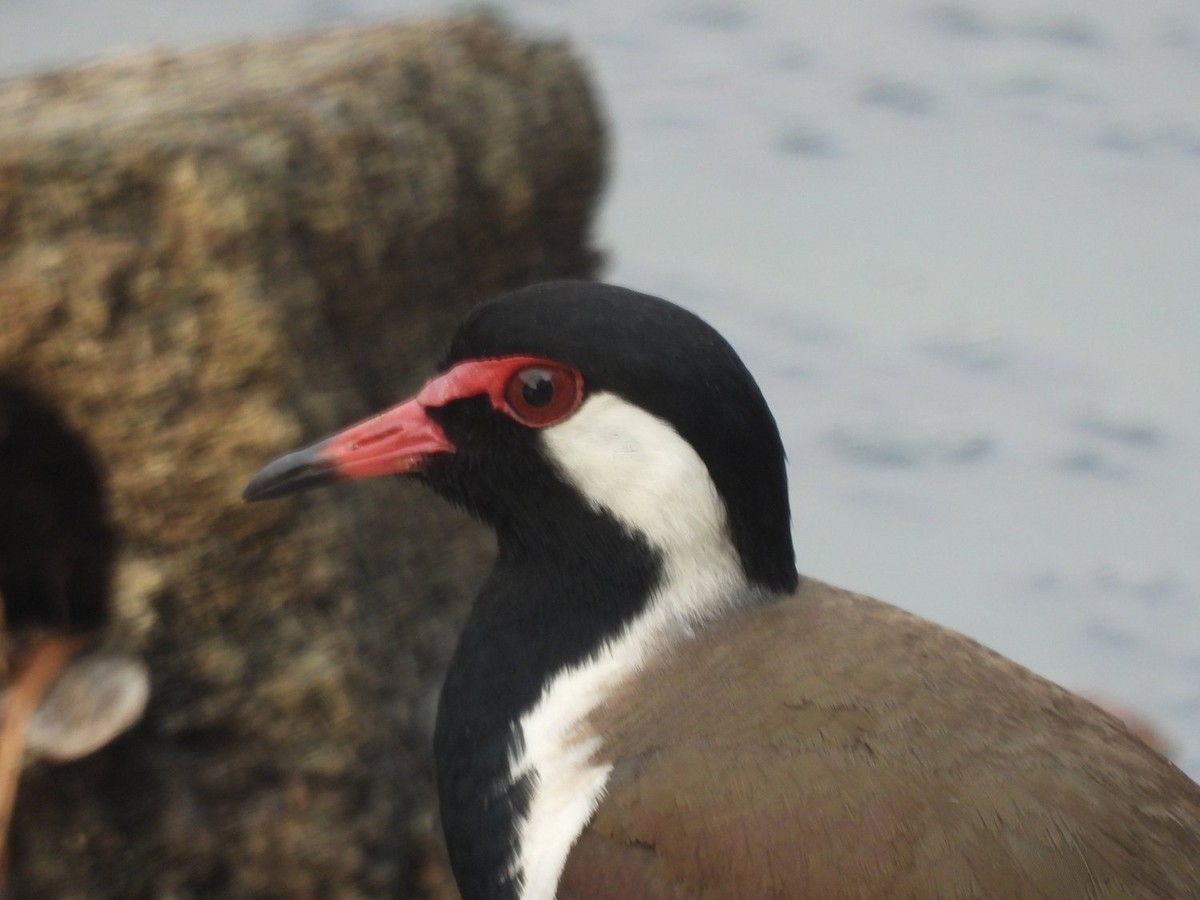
{"x": 204, "y": 260}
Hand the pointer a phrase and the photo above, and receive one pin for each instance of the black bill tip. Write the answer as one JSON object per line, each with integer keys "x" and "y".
{"x": 293, "y": 472}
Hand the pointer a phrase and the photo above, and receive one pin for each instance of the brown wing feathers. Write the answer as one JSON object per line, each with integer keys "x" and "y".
{"x": 833, "y": 746}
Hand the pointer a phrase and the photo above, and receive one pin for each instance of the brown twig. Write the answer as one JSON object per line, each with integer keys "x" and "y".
{"x": 44, "y": 662}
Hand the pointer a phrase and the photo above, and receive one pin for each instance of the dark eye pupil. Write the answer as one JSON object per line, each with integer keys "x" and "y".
{"x": 537, "y": 388}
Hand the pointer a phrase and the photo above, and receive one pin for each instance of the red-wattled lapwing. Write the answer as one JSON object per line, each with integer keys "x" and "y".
{"x": 648, "y": 702}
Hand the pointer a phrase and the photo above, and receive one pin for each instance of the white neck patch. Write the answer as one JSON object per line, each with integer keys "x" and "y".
{"x": 637, "y": 468}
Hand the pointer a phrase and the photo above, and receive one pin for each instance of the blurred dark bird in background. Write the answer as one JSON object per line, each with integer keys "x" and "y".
{"x": 57, "y": 545}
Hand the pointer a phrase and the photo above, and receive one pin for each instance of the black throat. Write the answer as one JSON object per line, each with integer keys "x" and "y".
{"x": 547, "y": 605}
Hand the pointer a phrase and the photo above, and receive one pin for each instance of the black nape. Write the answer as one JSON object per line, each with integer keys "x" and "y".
{"x": 57, "y": 544}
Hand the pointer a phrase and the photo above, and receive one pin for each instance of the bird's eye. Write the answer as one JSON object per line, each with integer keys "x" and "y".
{"x": 542, "y": 395}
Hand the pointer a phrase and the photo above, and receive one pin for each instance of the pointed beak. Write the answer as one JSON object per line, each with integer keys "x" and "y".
{"x": 394, "y": 442}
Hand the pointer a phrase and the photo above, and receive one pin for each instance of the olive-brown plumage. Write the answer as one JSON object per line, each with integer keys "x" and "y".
{"x": 828, "y": 745}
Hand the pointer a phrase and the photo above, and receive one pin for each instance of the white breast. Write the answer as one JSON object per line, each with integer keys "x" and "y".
{"x": 637, "y": 468}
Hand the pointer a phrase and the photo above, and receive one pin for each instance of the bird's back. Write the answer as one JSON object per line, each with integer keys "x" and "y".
{"x": 828, "y": 745}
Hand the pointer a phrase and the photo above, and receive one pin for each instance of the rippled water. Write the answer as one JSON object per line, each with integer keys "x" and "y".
{"x": 960, "y": 245}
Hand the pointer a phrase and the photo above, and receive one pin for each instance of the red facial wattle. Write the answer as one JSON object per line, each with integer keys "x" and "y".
{"x": 532, "y": 391}
{"x": 499, "y": 380}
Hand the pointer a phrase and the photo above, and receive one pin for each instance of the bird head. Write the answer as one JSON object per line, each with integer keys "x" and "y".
{"x": 578, "y": 395}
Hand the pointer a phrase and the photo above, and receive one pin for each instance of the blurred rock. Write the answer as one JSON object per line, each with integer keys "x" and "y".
{"x": 204, "y": 259}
